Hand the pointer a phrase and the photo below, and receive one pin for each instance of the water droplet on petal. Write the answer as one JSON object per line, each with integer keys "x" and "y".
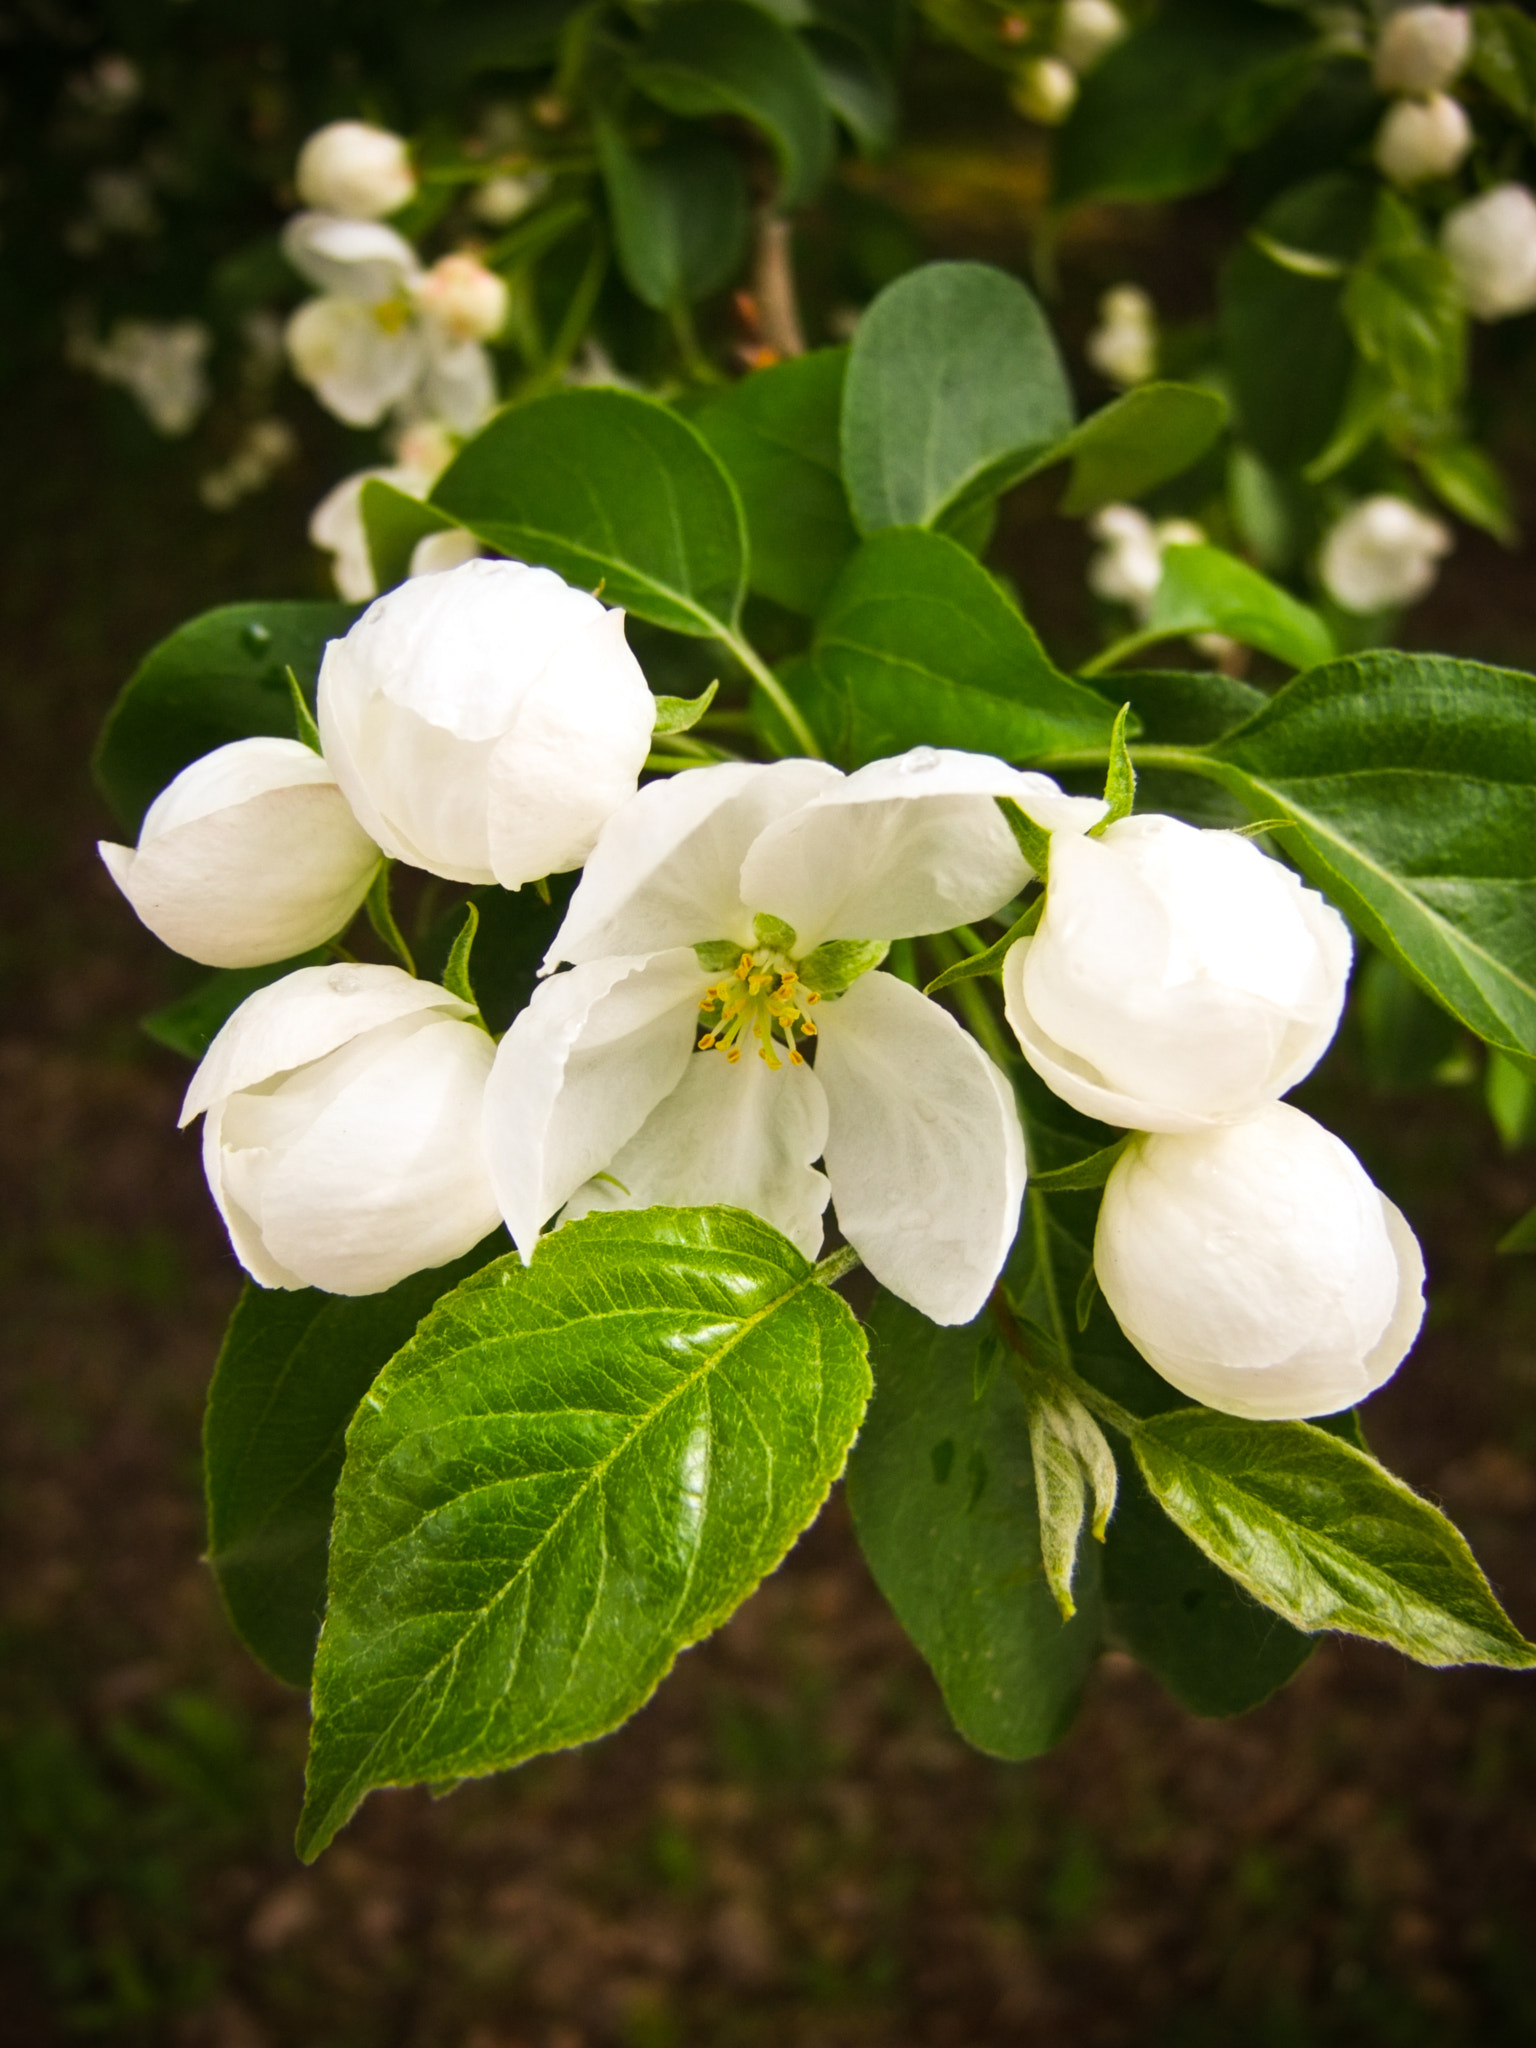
{"x": 344, "y": 981}
{"x": 919, "y": 761}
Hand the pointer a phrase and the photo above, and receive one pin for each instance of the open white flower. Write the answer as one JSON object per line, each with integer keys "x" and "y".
{"x": 1491, "y": 244}
{"x": 486, "y": 721}
{"x": 1421, "y": 49}
{"x": 342, "y": 1140}
{"x": 1123, "y": 347}
{"x": 1178, "y": 978}
{"x": 654, "y": 1073}
{"x": 160, "y": 363}
{"x": 1384, "y": 551}
{"x": 1420, "y": 139}
{"x": 1257, "y": 1268}
{"x": 353, "y": 168}
{"x": 251, "y": 855}
{"x": 1128, "y": 566}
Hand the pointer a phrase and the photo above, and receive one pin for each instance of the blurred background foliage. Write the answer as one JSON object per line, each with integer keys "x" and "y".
{"x": 789, "y": 1843}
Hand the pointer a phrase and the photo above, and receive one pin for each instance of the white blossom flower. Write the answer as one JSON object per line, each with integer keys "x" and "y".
{"x": 1384, "y": 551}
{"x": 353, "y": 168}
{"x": 250, "y": 855}
{"x": 1257, "y": 1268}
{"x": 342, "y": 1133}
{"x": 1045, "y": 90}
{"x": 467, "y": 301}
{"x": 1418, "y": 139}
{"x": 368, "y": 342}
{"x": 1490, "y": 242}
{"x": 506, "y": 197}
{"x": 653, "y": 1072}
{"x": 1178, "y": 978}
{"x": 160, "y": 363}
{"x": 1123, "y": 347}
{"x": 1087, "y": 30}
{"x": 1129, "y": 564}
{"x": 1421, "y": 49}
{"x": 264, "y": 448}
{"x": 484, "y": 722}
{"x": 422, "y": 453}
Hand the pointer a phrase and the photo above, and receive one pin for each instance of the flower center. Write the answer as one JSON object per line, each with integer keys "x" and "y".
{"x": 763, "y": 998}
{"x": 393, "y": 314}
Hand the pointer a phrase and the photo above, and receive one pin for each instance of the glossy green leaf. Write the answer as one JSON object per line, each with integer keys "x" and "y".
{"x": 776, "y": 432}
{"x": 954, "y": 386}
{"x": 1411, "y": 780}
{"x": 679, "y": 213}
{"x": 1184, "y": 707}
{"x": 218, "y": 678}
{"x": 190, "y": 1023}
{"x": 941, "y": 1484}
{"x": 1325, "y": 1536}
{"x": 1206, "y": 590}
{"x": 919, "y": 646}
{"x": 710, "y": 57}
{"x": 1405, "y": 310}
{"x": 1504, "y": 58}
{"x": 1164, "y": 111}
{"x": 609, "y": 489}
{"x": 572, "y": 1472}
{"x": 1138, "y": 441}
{"x": 394, "y": 523}
{"x": 292, "y": 1370}
{"x": 858, "y": 88}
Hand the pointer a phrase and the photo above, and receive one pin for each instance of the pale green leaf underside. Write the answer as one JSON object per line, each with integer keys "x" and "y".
{"x": 571, "y": 1473}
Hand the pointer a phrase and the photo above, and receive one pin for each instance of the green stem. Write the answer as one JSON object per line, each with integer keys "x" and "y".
{"x": 1040, "y": 1226}
{"x": 1104, "y": 1406}
{"x": 972, "y": 1000}
{"x": 1191, "y": 759}
{"x": 836, "y": 1264}
{"x": 1133, "y": 643}
{"x": 774, "y": 690}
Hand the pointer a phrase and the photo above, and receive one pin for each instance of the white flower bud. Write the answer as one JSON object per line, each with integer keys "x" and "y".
{"x": 1178, "y": 978}
{"x": 505, "y": 197}
{"x": 342, "y": 1141}
{"x": 1045, "y": 91}
{"x": 485, "y": 722}
{"x": 1129, "y": 564}
{"x": 251, "y": 855}
{"x": 1257, "y": 1268}
{"x": 1491, "y": 244}
{"x": 467, "y": 301}
{"x": 1383, "y": 552}
{"x": 1421, "y": 139}
{"x": 1086, "y": 30}
{"x": 1421, "y": 49}
{"x": 449, "y": 549}
{"x": 355, "y": 169}
{"x": 1123, "y": 347}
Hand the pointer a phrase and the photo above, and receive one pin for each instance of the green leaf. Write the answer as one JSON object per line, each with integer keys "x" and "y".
{"x": 292, "y": 1370}
{"x": 1510, "y": 1094}
{"x": 1411, "y": 784}
{"x": 725, "y": 57}
{"x": 218, "y": 678}
{"x": 681, "y": 714}
{"x": 679, "y": 213}
{"x": 1404, "y": 1037}
{"x": 919, "y": 646}
{"x": 1206, "y": 590}
{"x": 776, "y": 433}
{"x": 1284, "y": 343}
{"x": 1089, "y": 1172}
{"x": 1136, "y": 442}
{"x": 954, "y": 386}
{"x": 1070, "y": 1455}
{"x": 190, "y": 1023}
{"x": 1165, "y": 110}
{"x": 1188, "y": 707}
{"x": 395, "y": 522}
{"x": 941, "y": 1484}
{"x": 543, "y": 1504}
{"x": 381, "y": 916}
{"x": 1325, "y": 1536}
{"x": 858, "y": 88}
{"x": 1467, "y": 478}
{"x": 1120, "y": 777}
{"x": 455, "y": 977}
{"x": 1405, "y": 310}
{"x": 1504, "y": 58}
{"x": 1521, "y": 1236}
{"x": 613, "y": 489}
{"x": 991, "y": 961}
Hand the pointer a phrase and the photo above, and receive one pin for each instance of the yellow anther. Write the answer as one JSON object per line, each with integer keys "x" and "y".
{"x": 763, "y": 1001}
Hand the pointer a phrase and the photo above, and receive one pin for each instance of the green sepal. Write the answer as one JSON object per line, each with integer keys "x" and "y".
{"x": 1091, "y": 1172}
{"x": 1120, "y": 781}
{"x": 382, "y": 917}
{"x": 1071, "y": 1456}
{"x": 1087, "y": 1295}
{"x": 456, "y": 973}
{"x": 305, "y": 728}
{"x": 1033, "y": 840}
{"x": 774, "y": 932}
{"x": 681, "y": 714}
{"x": 991, "y": 961}
{"x": 837, "y": 964}
{"x": 718, "y": 956}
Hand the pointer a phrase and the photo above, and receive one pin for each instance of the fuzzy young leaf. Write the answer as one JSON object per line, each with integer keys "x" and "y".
{"x": 1061, "y": 1494}
{"x": 456, "y": 973}
{"x": 542, "y": 1504}
{"x": 1120, "y": 779}
{"x": 608, "y": 488}
{"x": 1325, "y": 1536}
{"x": 941, "y": 1484}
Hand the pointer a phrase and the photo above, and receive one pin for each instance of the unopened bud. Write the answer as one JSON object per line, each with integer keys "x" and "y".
{"x": 1384, "y": 552}
{"x": 1087, "y": 30}
{"x": 1421, "y": 139}
{"x": 468, "y": 301}
{"x": 1123, "y": 347}
{"x": 1491, "y": 244}
{"x": 1045, "y": 91}
{"x": 1421, "y": 49}
{"x": 353, "y": 168}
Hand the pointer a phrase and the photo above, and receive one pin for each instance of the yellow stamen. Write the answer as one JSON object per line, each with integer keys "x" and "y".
{"x": 763, "y": 1001}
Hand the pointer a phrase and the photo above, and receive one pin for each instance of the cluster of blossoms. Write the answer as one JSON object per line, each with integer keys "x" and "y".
{"x": 714, "y": 1023}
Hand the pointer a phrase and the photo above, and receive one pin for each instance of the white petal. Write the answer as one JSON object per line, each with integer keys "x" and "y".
{"x": 460, "y": 384}
{"x": 742, "y": 1135}
{"x": 924, "y": 1150}
{"x": 356, "y": 368}
{"x": 229, "y": 775}
{"x": 579, "y": 1072}
{"x": 244, "y": 1234}
{"x": 572, "y": 756}
{"x": 302, "y": 1018}
{"x": 354, "y": 259}
{"x": 665, "y": 869}
{"x": 915, "y": 844}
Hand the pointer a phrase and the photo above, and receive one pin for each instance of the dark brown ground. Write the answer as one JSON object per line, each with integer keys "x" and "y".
{"x": 789, "y": 1845}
